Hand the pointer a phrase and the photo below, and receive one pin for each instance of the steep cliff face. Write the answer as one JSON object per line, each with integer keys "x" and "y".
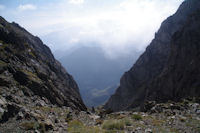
{"x": 133, "y": 84}
{"x": 28, "y": 69}
{"x": 181, "y": 75}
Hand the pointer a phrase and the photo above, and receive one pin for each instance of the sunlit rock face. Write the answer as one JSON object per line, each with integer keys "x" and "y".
{"x": 163, "y": 72}
{"x": 28, "y": 66}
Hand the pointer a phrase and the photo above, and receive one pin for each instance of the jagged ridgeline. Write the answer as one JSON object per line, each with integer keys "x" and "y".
{"x": 169, "y": 69}
{"x": 29, "y": 69}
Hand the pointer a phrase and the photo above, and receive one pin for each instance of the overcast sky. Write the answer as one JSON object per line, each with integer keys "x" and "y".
{"x": 115, "y": 25}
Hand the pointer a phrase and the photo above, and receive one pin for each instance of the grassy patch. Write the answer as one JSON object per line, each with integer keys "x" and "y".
{"x": 99, "y": 122}
{"x": 136, "y": 117}
{"x": 31, "y": 53}
{"x": 193, "y": 123}
{"x": 86, "y": 129}
{"x": 157, "y": 122}
{"x": 29, "y": 125}
{"x": 34, "y": 125}
{"x": 127, "y": 122}
{"x": 182, "y": 120}
{"x": 32, "y": 75}
{"x": 57, "y": 110}
{"x": 3, "y": 45}
{"x": 2, "y": 63}
{"x": 76, "y": 126}
{"x": 174, "y": 130}
{"x": 113, "y": 125}
{"x": 116, "y": 116}
{"x": 68, "y": 118}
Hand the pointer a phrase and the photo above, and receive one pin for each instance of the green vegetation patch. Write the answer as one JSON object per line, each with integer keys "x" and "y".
{"x": 136, "y": 117}
{"x": 30, "y": 125}
{"x": 1, "y": 26}
{"x": 194, "y": 123}
{"x": 127, "y": 122}
{"x": 76, "y": 126}
{"x": 3, "y": 45}
{"x": 31, "y": 75}
{"x": 31, "y": 53}
{"x": 114, "y": 125}
{"x": 42, "y": 127}
{"x": 2, "y": 63}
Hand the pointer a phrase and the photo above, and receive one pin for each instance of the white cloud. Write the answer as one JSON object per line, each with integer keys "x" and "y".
{"x": 76, "y": 1}
{"x": 26, "y": 7}
{"x": 117, "y": 28}
{"x": 2, "y": 7}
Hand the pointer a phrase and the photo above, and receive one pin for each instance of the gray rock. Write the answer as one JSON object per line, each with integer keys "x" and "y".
{"x": 20, "y": 116}
{"x": 2, "y": 110}
{"x": 40, "y": 103}
{"x": 198, "y": 111}
{"x": 2, "y": 102}
{"x": 148, "y": 130}
{"x": 195, "y": 106}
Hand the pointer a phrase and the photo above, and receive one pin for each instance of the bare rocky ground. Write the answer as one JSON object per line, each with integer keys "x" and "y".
{"x": 36, "y": 116}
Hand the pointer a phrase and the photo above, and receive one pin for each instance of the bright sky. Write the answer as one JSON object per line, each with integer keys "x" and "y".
{"x": 118, "y": 26}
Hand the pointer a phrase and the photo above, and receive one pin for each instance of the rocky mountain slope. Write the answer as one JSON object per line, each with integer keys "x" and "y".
{"x": 169, "y": 67}
{"x": 181, "y": 75}
{"x": 30, "y": 75}
{"x": 170, "y": 117}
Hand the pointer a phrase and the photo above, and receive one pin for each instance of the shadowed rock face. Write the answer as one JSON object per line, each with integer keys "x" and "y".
{"x": 181, "y": 75}
{"x": 27, "y": 64}
{"x": 146, "y": 78}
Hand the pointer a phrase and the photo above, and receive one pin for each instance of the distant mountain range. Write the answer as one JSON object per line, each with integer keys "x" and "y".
{"x": 96, "y": 75}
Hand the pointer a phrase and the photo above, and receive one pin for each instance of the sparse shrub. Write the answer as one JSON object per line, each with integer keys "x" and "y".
{"x": 2, "y": 63}
{"x": 75, "y": 126}
{"x": 136, "y": 117}
{"x": 121, "y": 116}
{"x": 29, "y": 125}
{"x": 182, "y": 120}
{"x": 34, "y": 125}
{"x": 113, "y": 125}
{"x": 42, "y": 127}
{"x": 3, "y": 46}
{"x": 174, "y": 130}
{"x": 111, "y": 131}
{"x": 99, "y": 122}
{"x": 91, "y": 130}
{"x": 157, "y": 122}
{"x": 68, "y": 117}
{"x": 127, "y": 122}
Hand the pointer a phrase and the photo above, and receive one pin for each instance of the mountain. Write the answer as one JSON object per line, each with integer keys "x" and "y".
{"x": 169, "y": 68}
{"x": 181, "y": 75}
{"x": 93, "y": 97}
{"x": 28, "y": 67}
{"x": 96, "y": 74}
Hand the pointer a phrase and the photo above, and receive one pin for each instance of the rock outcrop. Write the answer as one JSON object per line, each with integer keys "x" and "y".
{"x": 29, "y": 69}
{"x": 169, "y": 68}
